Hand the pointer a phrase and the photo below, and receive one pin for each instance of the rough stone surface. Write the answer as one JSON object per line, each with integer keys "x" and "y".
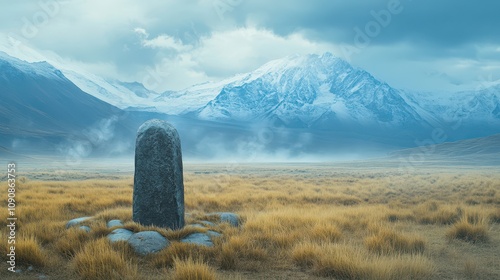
{"x": 212, "y": 233}
{"x": 76, "y": 221}
{"x": 85, "y": 228}
{"x": 230, "y": 218}
{"x": 147, "y": 242}
{"x": 198, "y": 239}
{"x": 120, "y": 234}
{"x": 114, "y": 223}
{"x": 158, "y": 181}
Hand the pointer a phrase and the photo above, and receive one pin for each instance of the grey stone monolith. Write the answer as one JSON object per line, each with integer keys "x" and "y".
{"x": 158, "y": 184}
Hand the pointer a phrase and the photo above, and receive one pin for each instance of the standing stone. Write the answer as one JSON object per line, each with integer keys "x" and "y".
{"x": 158, "y": 183}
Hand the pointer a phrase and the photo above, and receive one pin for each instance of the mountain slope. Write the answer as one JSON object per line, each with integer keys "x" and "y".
{"x": 466, "y": 114}
{"x": 40, "y": 107}
{"x": 120, "y": 94}
{"x": 485, "y": 150}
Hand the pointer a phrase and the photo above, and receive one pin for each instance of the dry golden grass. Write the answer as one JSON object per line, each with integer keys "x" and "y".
{"x": 469, "y": 231}
{"x": 72, "y": 241}
{"x": 98, "y": 260}
{"x": 387, "y": 241}
{"x": 182, "y": 252}
{"x": 343, "y": 261}
{"x": 29, "y": 252}
{"x": 318, "y": 221}
{"x": 190, "y": 269}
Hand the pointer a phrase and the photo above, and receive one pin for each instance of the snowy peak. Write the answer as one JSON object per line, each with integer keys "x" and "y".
{"x": 120, "y": 94}
{"x": 313, "y": 66}
{"x": 198, "y": 96}
{"x": 35, "y": 68}
{"x": 466, "y": 107}
{"x": 310, "y": 90}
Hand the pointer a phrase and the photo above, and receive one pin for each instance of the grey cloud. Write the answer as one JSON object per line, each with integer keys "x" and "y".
{"x": 443, "y": 23}
{"x": 102, "y": 31}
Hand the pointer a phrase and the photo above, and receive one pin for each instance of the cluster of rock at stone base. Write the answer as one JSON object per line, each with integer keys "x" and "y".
{"x": 147, "y": 242}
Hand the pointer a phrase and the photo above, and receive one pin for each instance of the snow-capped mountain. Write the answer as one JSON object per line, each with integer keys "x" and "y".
{"x": 120, "y": 94}
{"x": 117, "y": 93}
{"x": 310, "y": 91}
{"x": 10, "y": 64}
{"x": 478, "y": 106}
{"x": 295, "y": 105}
{"x": 43, "y": 112}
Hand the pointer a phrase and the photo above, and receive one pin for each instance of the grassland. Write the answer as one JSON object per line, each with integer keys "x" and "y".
{"x": 300, "y": 222}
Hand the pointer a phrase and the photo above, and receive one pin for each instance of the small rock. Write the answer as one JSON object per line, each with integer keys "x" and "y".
{"x": 114, "y": 223}
{"x": 147, "y": 242}
{"x": 30, "y": 268}
{"x": 198, "y": 239}
{"x": 120, "y": 234}
{"x": 230, "y": 218}
{"x": 85, "y": 228}
{"x": 212, "y": 233}
{"x": 76, "y": 221}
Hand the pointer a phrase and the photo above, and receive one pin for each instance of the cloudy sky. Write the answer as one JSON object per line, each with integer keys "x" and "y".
{"x": 167, "y": 44}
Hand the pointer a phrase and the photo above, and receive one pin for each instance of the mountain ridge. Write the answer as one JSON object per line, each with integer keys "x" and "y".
{"x": 313, "y": 104}
{"x": 475, "y": 150}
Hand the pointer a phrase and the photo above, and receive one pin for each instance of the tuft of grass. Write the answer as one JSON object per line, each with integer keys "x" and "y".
{"x": 342, "y": 261}
{"x": 494, "y": 216}
{"x": 400, "y": 267}
{"x": 71, "y": 242}
{"x": 441, "y": 216}
{"x": 325, "y": 233}
{"x": 98, "y": 260}
{"x": 242, "y": 252}
{"x": 227, "y": 258}
{"x": 182, "y": 251}
{"x": 400, "y": 216}
{"x": 47, "y": 234}
{"x": 387, "y": 241}
{"x": 469, "y": 232}
{"x": 190, "y": 269}
{"x": 30, "y": 252}
{"x": 304, "y": 254}
{"x": 471, "y": 270}
{"x": 339, "y": 262}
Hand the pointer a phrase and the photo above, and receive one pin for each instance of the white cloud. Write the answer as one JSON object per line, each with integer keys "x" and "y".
{"x": 244, "y": 49}
{"x": 166, "y": 42}
{"x": 141, "y": 32}
{"x": 225, "y": 53}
